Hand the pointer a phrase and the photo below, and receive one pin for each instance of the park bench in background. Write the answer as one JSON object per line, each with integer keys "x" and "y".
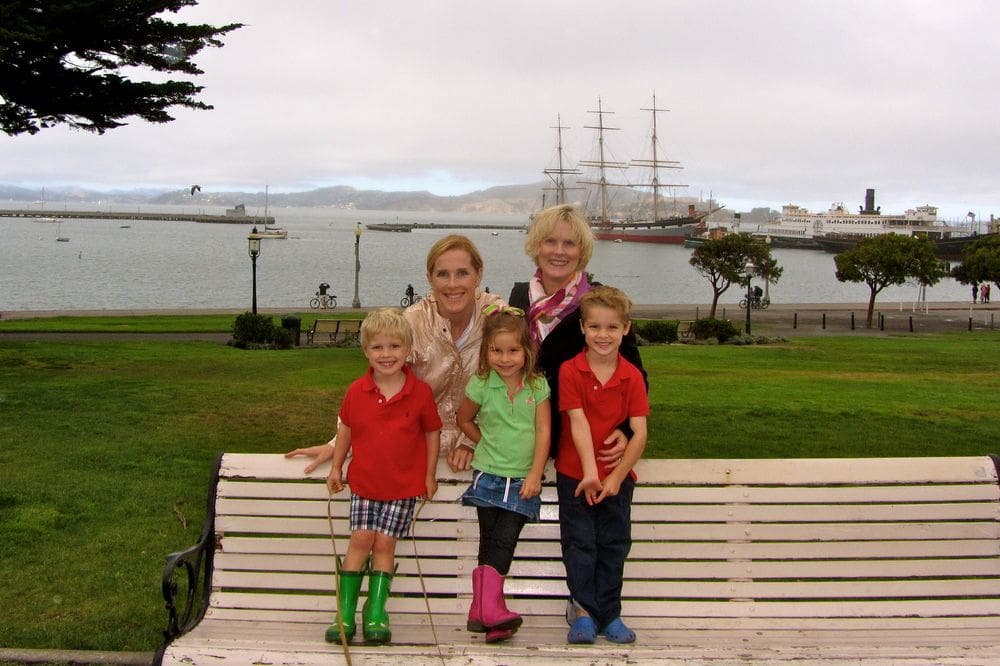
{"x": 685, "y": 329}
{"x": 337, "y": 330}
{"x": 884, "y": 560}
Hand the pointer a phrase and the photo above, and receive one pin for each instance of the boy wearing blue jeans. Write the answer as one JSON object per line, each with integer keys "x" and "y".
{"x": 598, "y": 390}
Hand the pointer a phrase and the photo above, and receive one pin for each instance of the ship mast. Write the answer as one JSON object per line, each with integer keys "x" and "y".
{"x": 655, "y": 164}
{"x": 556, "y": 175}
{"x": 601, "y": 163}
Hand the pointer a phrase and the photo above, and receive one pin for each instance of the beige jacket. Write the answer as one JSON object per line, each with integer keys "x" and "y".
{"x": 437, "y": 361}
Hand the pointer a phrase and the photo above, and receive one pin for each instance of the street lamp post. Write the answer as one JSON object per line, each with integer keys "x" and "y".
{"x": 357, "y": 264}
{"x": 253, "y": 241}
{"x": 749, "y": 269}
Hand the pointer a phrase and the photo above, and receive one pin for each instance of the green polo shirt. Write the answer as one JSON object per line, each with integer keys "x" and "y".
{"x": 507, "y": 447}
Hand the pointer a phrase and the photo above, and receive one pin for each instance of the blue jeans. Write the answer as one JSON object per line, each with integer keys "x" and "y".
{"x": 595, "y": 543}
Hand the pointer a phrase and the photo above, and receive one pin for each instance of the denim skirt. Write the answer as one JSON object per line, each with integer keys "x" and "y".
{"x": 498, "y": 491}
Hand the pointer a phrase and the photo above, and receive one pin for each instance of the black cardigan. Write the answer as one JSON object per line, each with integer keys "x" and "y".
{"x": 563, "y": 343}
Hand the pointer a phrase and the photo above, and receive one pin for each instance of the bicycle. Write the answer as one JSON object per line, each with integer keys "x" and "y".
{"x": 405, "y": 301}
{"x": 755, "y": 303}
{"x": 323, "y": 300}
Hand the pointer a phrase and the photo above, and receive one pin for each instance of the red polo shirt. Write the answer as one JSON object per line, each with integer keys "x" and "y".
{"x": 388, "y": 437}
{"x": 606, "y": 406}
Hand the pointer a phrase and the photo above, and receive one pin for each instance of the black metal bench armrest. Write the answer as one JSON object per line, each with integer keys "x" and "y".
{"x": 187, "y": 576}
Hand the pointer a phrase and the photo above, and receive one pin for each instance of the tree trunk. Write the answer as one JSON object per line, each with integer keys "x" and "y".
{"x": 871, "y": 309}
{"x": 715, "y": 303}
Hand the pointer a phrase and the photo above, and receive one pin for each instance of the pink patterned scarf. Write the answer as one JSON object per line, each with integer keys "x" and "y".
{"x": 547, "y": 311}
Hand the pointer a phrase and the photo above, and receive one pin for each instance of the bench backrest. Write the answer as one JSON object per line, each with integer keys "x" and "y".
{"x": 326, "y": 325}
{"x": 796, "y": 542}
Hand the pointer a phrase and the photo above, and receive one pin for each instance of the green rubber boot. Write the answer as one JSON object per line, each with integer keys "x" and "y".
{"x": 375, "y": 618}
{"x": 348, "y": 588}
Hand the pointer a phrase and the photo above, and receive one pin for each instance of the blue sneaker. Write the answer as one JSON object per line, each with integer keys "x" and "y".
{"x": 617, "y": 632}
{"x": 583, "y": 631}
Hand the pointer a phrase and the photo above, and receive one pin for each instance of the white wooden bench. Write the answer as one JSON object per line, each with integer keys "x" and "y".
{"x": 889, "y": 561}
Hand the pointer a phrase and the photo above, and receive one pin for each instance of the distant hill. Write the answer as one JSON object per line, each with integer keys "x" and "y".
{"x": 503, "y": 199}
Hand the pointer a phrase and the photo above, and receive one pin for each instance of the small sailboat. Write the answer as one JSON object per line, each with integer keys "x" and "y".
{"x": 271, "y": 230}
{"x": 59, "y": 237}
{"x": 41, "y": 209}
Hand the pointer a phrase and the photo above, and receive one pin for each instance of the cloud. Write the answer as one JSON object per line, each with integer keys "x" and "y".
{"x": 770, "y": 101}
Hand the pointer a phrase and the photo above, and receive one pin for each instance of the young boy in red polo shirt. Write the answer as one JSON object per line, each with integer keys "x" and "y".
{"x": 391, "y": 424}
{"x": 598, "y": 390}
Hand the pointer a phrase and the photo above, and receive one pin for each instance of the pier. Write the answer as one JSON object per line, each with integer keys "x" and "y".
{"x": 406, "y": 227}
{"x": 47, "y": 214}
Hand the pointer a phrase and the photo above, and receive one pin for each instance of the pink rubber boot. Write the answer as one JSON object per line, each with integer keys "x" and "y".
{"x": 475, "y": 621}
{"x": 494, "y": 612}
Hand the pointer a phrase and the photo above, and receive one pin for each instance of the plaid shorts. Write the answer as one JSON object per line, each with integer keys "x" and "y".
{"x": 391, "y": 517}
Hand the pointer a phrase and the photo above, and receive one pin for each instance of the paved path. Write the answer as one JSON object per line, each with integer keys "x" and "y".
{"x": 785, "y": 319}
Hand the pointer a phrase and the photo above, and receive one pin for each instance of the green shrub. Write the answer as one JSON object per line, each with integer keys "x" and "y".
{"x": 255, "y": 331}
{"x": 720, "y": 329}
{"x": 656, "y": 330}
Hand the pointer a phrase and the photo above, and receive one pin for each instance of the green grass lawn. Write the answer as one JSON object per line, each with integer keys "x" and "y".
{"x": 107, "y": 446}
{"x": 209, "y": 323}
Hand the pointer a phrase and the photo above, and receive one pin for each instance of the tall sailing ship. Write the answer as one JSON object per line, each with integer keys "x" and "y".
{"x": 671, "y": 228}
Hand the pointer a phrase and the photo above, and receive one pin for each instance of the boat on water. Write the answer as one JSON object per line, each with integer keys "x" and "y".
{"x": 390, "y": 226}
{"x": 839, "y": 229}
{"x": 270, "y": 230}
{"x": 692, "y": 242}
{"x": 948, "y": 248}
{"x": 673, "y": 228}
{"x": 273, "y": 232}
{"x": 59, "y": 235}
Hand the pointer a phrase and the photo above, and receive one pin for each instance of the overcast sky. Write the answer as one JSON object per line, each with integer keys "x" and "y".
{"x": 771, "y": 102}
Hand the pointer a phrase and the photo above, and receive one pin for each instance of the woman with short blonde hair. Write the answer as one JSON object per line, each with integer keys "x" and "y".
{"x": 545, "y": 222}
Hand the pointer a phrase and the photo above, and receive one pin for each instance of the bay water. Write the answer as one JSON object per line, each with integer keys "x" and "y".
{"x": 116, "y": 264}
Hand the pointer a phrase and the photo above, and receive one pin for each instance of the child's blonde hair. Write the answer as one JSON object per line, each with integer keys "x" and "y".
{"x": 608, "y": 297}
{"x": 386, "y": 321}
{"x": 506, "y": 319}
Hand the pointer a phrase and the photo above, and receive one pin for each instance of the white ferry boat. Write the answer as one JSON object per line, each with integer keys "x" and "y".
{"x": 799, "y": 227}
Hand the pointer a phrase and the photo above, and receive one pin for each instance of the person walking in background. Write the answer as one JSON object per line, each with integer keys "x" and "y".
{"x": 598, "y": 389}
{"x": 390, "y": 424}
{"x": 985, "y": 291}
{"x": 447, "y": 331}
{"x": 506, "y": 412}
{"x": 975, "y": 291}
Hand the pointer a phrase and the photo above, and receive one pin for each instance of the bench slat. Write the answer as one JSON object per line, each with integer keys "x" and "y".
{"x": 673, "y": 551}
{"x": 656, "y": 570}
{"x": 692, "y": 472}
{"x": 659, "y": 532}
{"x": 693, "y": 610}
{"x": 704, "y": 589}
{"x": 977, "y": 492}
{"x": 676, "y": 513}
{"x": 417, "y": 614}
